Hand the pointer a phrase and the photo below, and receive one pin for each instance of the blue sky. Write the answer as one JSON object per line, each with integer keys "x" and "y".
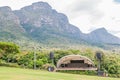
{"x": 87, "y": 15}
{"x": 118, "y": 1}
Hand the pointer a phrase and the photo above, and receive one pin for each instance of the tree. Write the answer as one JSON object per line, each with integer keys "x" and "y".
{"x": 8, "y": 51}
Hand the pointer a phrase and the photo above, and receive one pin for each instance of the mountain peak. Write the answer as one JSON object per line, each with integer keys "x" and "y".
{"x": 101, "y": 35}
{"x": 100, "y": 30}
{"x": 37, "y": 6}
{"x": 41, "y": 5}
{"x": 5, "y": 9}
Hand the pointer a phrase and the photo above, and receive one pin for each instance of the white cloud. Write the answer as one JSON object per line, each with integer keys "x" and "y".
{"x": 85, "y": 5}
{"x": 86, "y": 14}
{"x": 104, "y": 13}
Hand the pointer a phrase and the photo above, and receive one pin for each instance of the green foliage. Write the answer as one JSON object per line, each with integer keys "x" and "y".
{"x": 27, "y": 60}
{"x": 110, "y": 63}
{"x": 9, "y": 47}
{"x": 5, "y": 35}
{"x": 8, "y": 51}
{"x": 3, "y": 63}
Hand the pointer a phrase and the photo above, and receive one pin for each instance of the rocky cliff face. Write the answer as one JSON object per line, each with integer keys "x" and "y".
{"x": 10, "y": 26}
{"x": 40, "y": 22}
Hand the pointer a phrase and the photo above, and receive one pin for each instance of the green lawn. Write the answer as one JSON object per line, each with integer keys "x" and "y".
{"x": 7, "y": 73}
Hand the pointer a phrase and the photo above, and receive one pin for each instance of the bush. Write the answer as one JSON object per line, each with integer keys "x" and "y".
{"x": 27, "y": 60}
{"x": 3, "y": 63}
{"x": 8, "y": 51}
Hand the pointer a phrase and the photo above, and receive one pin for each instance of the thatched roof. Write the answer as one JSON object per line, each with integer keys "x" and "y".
{"x": 66, "y": 59}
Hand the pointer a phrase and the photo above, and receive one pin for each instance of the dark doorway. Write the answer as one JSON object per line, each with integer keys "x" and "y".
{"x": 77, "y": 61}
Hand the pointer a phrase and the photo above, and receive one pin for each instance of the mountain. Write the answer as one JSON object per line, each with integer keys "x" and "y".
{"x": 45, "y": 24}
{"x": 10, "y": 27}
{"x": 40, "y": 23}
{"x": 101, "y": 35}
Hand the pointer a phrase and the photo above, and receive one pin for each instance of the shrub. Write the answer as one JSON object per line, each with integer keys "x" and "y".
{"x": 3, "y": 63}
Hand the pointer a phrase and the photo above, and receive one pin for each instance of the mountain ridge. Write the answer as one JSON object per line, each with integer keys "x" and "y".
{"x": 39, "y": 22}
{"x": 101, "y": 35}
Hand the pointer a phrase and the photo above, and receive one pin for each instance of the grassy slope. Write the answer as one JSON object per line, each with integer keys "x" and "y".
{"x": 7, "y": 73}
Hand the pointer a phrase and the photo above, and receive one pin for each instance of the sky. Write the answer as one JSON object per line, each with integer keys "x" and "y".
{"x": 87, "y": 15}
